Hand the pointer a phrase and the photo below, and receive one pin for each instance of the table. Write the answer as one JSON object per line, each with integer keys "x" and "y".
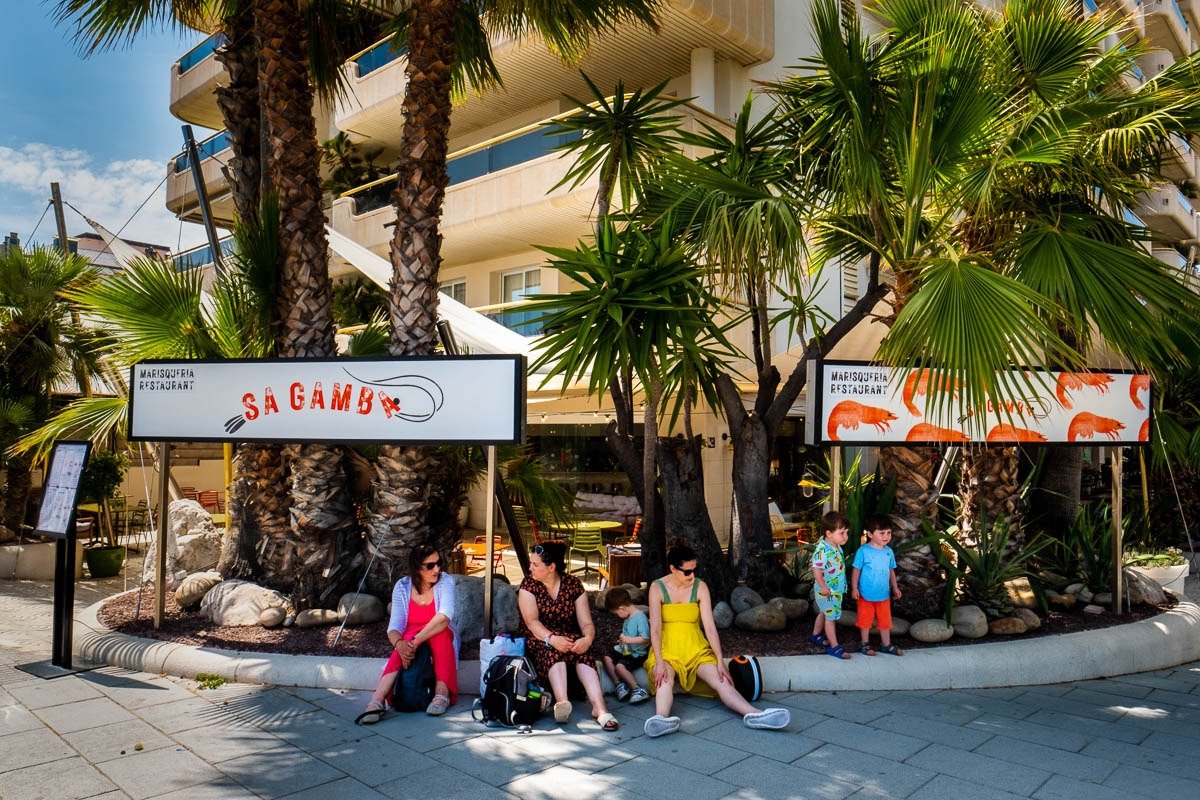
{"x": 624, "y": 568}
{"x": 587, "y": 526}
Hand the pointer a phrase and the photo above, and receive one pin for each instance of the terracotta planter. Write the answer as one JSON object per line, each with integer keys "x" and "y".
{"x": 1171, "y": 578}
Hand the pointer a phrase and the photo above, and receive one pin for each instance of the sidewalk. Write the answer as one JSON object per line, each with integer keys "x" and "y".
{"x": 113, "y": 733}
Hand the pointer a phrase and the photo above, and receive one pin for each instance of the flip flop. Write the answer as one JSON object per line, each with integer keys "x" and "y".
{"x": 608, "y": 722}
{"x": 772, "y": 719}
{"x": 819, "y": 640}
{"x": 373, "y": 714}
{"x": 837, "y": 652}
{"x": 562, "y": 711}
{"x": 658, "y": 725}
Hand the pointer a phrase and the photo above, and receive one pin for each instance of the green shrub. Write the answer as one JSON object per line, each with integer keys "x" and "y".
{"x": 976, "y": 575}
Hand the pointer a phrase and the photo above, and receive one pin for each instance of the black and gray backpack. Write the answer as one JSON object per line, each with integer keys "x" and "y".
{"x": 511, "y": 694}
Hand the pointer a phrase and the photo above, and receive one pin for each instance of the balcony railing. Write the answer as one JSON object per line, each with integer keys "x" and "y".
{"x": 200, "y": 256}
{"x": 1184, "y": 201}
{"x": 526, "y": 323}
{"x": 376, "y": 56}
{"x": 1089, "y": 6}
{"x": 1181, "y": 142}
{"x": 1179, "y": 13}
{"x": 200, "y": 52}
{"x": 1133, "y": 219}
{"x": 206, "y": 149}
{"x": 468, "y": 164}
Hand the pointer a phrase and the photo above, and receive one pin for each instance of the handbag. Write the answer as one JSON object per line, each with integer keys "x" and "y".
{"x": 503, "y": 645}
{"x": 415, "y": 684}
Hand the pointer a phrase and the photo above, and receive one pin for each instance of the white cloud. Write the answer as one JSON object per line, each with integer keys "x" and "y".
{"x": 108, "y": 193}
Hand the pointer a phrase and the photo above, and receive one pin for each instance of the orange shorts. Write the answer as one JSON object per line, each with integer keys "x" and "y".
{"x": 877, "y": 611}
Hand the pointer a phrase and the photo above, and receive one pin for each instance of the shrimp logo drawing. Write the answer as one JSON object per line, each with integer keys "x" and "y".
{"x": 924, "y": 432}
{"x": 1075, "y": 381}
{"x": 920, "y": 382}
{"x": 850, "y": 414}
{"x": 1086, "y": 424}
{"x": 1137, "y": 385}
{"x": 1011, "y": 433}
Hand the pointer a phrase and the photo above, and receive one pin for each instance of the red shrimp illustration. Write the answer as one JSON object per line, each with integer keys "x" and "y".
{"x": 918, "y": 382}
{"x": 924, "y": 432}
{"x": 1074, "y": 381}
{"x": 1144, "y": 431}
{"x": 849, "y": 414}
{"x": 1087, "y": 425}
{"x": 1138, "y": 384}
{"x": 1011, "y": 433}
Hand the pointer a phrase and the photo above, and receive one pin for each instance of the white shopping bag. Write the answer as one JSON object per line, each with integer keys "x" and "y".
{"x": 503, "y": 645}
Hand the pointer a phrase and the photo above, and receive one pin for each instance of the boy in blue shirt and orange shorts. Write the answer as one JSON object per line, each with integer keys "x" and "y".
{"x": 873, "y": 584}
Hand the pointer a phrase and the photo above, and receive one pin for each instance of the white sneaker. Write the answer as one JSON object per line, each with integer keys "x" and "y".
{"x": 771, "y": 719}
{"x": 622, "y": 692}
{"x": 639, "y": 695}
{"x": 658, "y": 725}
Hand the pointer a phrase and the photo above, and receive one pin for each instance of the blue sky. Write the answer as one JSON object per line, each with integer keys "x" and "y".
{"x": 98, "y": 125}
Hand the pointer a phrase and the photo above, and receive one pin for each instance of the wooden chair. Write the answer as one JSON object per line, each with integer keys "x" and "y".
{"x": 588, "y": 542}
{"x": 210, "y": 500}
{"x": 480, "y": 559}
{"x": 189, "y": 493}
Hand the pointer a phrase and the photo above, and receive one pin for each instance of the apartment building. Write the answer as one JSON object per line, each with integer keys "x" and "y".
{"x": 499, "y": 203}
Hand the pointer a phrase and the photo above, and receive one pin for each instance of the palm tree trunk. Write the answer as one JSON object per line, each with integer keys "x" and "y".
{"x": 257, "y": 514}
{"x": 1054, "y": 501}
{"x": 238, "y": 101}
{"x": 17, "y": 486}
{"x": 917, "y": 570}
{"x": 990, "y": 484}
{"x": 401, "y": 508}
{"x": 320, "y": 515}
{"x": 684, "y": 504}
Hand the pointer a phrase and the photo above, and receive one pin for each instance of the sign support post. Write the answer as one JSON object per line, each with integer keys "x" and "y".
{"x": 160, "y": 549}
{"x": 490, "y": 527}
{"x": 1118, "y": 473}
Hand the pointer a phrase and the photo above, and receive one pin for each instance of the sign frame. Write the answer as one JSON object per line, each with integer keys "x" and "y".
{"x": 519, "y": 370}
{"x": 60, "y": 489}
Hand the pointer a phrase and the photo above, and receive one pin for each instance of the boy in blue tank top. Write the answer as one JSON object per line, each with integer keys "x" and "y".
{"x": 873, "y": 584}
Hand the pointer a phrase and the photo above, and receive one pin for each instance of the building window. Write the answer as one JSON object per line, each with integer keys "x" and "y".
{"x": 514, "y": 287}
{"x": 457, "y": 290}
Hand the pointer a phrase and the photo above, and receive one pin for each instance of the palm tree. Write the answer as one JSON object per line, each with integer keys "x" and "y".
{"x": 449, "y": 43}
{"x": 41, "y": 345}
{"x": 984, "y": 159}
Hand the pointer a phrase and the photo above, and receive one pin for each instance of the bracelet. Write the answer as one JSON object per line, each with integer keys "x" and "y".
{"x": 548, "y": 635}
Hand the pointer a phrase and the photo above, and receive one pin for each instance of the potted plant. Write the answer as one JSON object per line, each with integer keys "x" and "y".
{"x": 102, "y": 477}
{"x": 1167, "y": 567}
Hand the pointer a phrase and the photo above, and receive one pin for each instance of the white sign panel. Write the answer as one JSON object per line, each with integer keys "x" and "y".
{"x": 61, "y": 487}
{"x": 872, "y": 404}
{"x": 426, "y": 400}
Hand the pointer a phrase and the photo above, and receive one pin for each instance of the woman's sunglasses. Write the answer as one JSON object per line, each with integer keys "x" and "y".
{"x": 431, "y": 564}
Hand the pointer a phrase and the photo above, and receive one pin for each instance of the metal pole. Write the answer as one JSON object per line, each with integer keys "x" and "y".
{"x": 193, "y": 155}
{"x": 835, "y": 479}
{"x": 64, "y": 244}
{"x": 160, "y": 551}
{"x": 1117, "y": 520}
{"x": 490, "y": 527}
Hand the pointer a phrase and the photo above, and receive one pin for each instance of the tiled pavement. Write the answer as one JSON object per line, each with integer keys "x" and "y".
{"x": 112, "y": 733}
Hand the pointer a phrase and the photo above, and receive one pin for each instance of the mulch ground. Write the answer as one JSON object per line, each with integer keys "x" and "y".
{"x": 122, "y": 614}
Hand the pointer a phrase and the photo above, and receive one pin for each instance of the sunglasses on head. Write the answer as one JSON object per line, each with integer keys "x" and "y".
{"x": 431, "y": 564}
{"x": 538, "y": 550}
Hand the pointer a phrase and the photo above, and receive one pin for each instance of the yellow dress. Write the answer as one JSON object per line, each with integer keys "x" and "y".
{"x": 683, "y": 644}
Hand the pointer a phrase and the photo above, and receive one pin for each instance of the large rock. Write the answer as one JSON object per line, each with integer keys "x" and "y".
{"x": 198, "y": 551}
{"x": 723, "y": 615}
{"x": 791, "y": 608}
{"x": 743, "y": 598}
{"x": 1032, "y": 621}
{"x": 1142, "y": 591}
{"x": 468, "y": 607}
{"x": 1007, "y": 626}
{"x": 193, "y": 588}
{"x": 272, "y": 617}
{"x": 1063, "y": 602}
{"x": 1102, "y": 598}
{"x": 316, "y": 617}
{"x": 969, "y": 622}
{"x": 239, "y": 603}
{"x": 184, "y": 518}
{"x": 356, "y": 608}
{"x": 764, "y": 618}
{"x": 1020, "y": 593}
{"x": 931, "y": 630}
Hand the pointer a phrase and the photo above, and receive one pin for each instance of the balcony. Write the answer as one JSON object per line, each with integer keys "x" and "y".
{"x": 1131, "y": 10}
{"x": 741, "y": 31}
{"x": 499, "y": 200}
{"x": 1167, "y": 27}
{"x": 1169, "y": 213}
{"x": 194, "y": 79}
{"x": 181, "y": 191}
{"x": 202, "y": 256}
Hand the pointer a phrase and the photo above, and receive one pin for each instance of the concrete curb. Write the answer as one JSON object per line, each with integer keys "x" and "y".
{"x": 1164, "y": 641}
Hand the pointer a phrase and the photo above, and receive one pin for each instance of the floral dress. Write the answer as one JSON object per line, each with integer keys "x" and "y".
{"x": 557, "y": 614}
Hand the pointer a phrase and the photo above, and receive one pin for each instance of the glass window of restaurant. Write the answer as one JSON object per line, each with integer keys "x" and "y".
{"x": 577, "y": 456}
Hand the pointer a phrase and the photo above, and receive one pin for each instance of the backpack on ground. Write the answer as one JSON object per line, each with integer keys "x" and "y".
{"x": 511, "y": 694}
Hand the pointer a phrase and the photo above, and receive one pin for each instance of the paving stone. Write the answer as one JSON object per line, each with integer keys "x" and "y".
{"x": 65, "y": 778}
{"x": 866, "y": 739}
{"x": 6, "y": 699}
{"x": 1060, "y": 787}
{"x": 319, "y": 729}
{"x": 182, "y": 715}
{"x": 227, "y": 741}
{"x": 44, "y": 694}
{"x": 1051, "y": 759}
{"x": 134, "y": 692}
{"x": 574, "y": 750}
{"x": 991, "y": 701}
{"x": 153, "y": 772}
{"x": 883, "y": 776}
{"x": 223, "y": 788}
{"x": 976, "y": 768}
{"x": 1174, "y": 698}
{"x": 1027, "y": 731}
{"x": 373, "y": 761}
{"x": 781, "y": 746}
{"x": 260, "y": 708}
{"x": 481, "y": 758}
{"x": 1090, "y": 726}
{"x": 836, "y": 706}
{"x": 1180, "y": 763}
{"x": 1104, "y": 711}
{"x": 84, "y": 714}
{"x": 764, "y": 778}
{"x": 1114, "y": 686}
{"x": 1152, "y": 784}
{"x": 423, "y": 737}
{"x": 106, "y": 742}
{"x": 937, "y": 708}
{"x": 30, "y": 748}
{"x": 18, "y": 719}
{"x": 945, "y": 787}
{"x": 341, "y": 789}
{"x": 958, "y": 736}
{"x": 284, "y": 770}
{"x": 431, "y": 783}
{"x": 634, "y": 777}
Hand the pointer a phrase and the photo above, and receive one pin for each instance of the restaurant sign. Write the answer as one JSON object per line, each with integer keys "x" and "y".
{"x": 478, "y": 399}
{"x": 869, "y": 403}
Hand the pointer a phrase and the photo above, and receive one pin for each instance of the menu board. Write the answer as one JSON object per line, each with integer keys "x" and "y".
{"x": 61, "y": 489}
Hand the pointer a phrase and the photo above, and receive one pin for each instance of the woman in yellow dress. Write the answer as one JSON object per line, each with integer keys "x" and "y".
{"x": 679, "y": 650}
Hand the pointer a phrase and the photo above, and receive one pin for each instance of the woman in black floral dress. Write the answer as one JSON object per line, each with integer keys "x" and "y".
{"x": 557, "y": 624}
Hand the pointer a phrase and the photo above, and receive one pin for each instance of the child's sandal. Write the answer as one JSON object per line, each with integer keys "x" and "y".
{"x": 867, "y": 650}
{"x": 819, "y": 640}
{"x": 891, "y": 650}
{"x": 837, "y": 652}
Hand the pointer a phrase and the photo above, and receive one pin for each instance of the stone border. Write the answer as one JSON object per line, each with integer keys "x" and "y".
{"x": 1164, "y": 641}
